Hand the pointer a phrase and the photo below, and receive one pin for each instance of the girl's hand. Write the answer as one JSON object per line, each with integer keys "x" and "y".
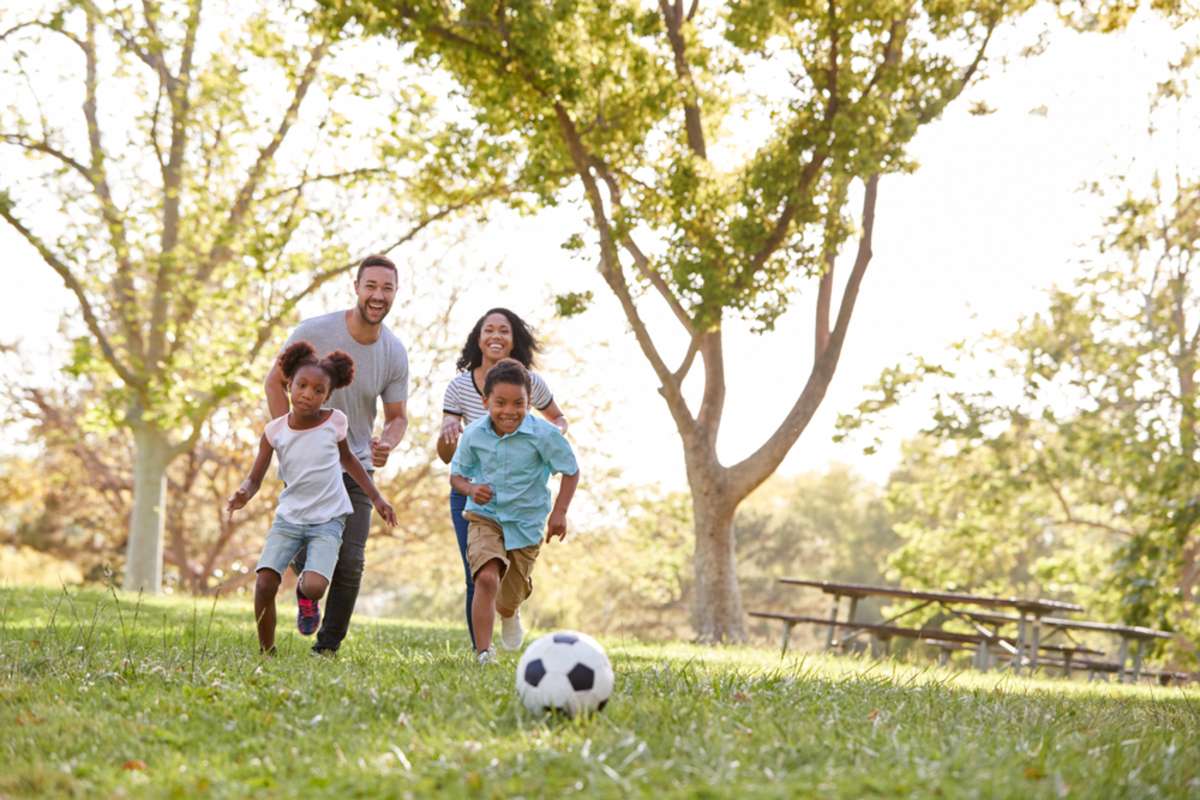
{"x": 481, "y": 493}
{"x": 385, "y": 510}
{"x": 452, "y": 428}
{"x": 239, "y": 498}
{"x": 556, "y": 525}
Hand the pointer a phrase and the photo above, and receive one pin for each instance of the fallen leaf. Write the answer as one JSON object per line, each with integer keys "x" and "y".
{"x": 134, "y": 764}
{"x": 874, "y": 715}
{"x": 1034, "y": 773}
{"x": 740, "y": 697}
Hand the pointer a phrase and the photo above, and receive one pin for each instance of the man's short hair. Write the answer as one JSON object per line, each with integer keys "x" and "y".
{"x": 377, "y": 261}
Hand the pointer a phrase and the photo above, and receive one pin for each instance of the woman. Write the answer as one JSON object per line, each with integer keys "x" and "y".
{"x": 498, "y": 334}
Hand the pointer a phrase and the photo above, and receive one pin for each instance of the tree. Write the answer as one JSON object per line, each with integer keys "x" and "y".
{"x": 717, "y": 153}
{"x": 1072, "y": 467}
{"x": 179, "y": 181}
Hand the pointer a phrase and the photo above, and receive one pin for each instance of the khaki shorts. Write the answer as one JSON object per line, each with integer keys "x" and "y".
{"x": 485, "y": 542}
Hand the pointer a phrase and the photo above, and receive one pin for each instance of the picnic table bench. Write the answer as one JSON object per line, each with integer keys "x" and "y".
{"x": 1132, "y": 637}
{"x": 1025, "y": 647}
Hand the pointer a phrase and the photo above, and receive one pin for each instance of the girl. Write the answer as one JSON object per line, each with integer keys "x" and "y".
{"x": 497, "y": 335}
{"x": 312, "y": 510}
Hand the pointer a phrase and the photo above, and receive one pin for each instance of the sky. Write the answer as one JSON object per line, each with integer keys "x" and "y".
{"x": 965, "y": 245}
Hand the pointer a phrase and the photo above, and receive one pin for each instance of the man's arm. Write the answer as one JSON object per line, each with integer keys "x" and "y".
{"x": 275, "y": 388}
{"x": 395, "y": 423}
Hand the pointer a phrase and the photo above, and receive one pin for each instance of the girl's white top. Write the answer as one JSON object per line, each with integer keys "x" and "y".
{"x": 311, "y": 469}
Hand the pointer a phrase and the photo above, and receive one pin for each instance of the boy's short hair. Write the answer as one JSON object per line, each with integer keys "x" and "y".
{"x": 377, "y": 260}
{"x": 510, "y": 371}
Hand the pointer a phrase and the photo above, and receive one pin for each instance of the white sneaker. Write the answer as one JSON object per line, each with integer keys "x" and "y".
{"x": 511, "y": 632}
{"x": 485, "y": 657}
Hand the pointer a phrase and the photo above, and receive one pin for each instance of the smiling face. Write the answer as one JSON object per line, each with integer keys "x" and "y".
{"x": 376, "y": 289}
{"x": 496, "y": 337}
{"x": 507, "y": 404}
{"x": 309, "y": 388}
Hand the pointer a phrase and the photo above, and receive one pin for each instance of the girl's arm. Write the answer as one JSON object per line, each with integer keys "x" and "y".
{"x": 447, "y": 442}
{"x": 249, "y": 487}
{"x": 355, "y": 470}
{"x": 555, "y": 416}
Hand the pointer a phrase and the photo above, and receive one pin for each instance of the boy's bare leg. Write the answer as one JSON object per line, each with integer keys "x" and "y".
{"x": 483, "y": 607}
{"x": 265, "y": 587}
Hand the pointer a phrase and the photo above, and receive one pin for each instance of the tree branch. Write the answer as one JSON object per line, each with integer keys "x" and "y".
{"x": 753, "y": 470}
{"x": 85, "y": 306}
{"x": 693, "y": 122}
{"x": 611, "y": 271}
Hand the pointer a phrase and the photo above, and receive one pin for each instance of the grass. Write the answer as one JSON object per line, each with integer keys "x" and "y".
{"x": 111, "y": 695}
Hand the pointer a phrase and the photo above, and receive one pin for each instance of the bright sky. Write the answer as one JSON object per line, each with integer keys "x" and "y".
{"x": 965, "y": 245}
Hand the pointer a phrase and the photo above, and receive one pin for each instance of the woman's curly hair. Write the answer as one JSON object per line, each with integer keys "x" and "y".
{"x": 338, "y": 364}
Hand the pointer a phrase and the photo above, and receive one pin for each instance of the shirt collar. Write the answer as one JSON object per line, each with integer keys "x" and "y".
{"x": 526, "y": 426}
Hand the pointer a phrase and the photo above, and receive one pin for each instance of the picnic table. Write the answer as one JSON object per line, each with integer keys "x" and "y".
{"x": 1030, "y": 614}
{"x": 1133, "y": 637}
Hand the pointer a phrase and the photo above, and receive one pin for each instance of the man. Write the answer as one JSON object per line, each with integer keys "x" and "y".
{"x": 380, "y": 371}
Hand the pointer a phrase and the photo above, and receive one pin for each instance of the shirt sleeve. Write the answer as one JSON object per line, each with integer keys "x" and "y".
{"x": 465, "y": 462}
{"x": 541, "y": 396}
{"x": 272, "y": 430}
{"x": 396, "y": 390}
{"x": 340, "y": 424}
{"x": 452, "y": 400}
{"x": 557, "y": 451}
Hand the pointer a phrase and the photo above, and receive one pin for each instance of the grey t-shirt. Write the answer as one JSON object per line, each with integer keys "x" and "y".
{"x": 380, "y": 371}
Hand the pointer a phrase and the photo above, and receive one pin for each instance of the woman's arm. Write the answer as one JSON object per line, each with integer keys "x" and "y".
{"x": 447, "y": 442}
{"x": 555, "y": 416}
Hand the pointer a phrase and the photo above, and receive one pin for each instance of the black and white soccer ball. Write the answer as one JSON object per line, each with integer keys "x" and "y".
{"x": 565, "y": 671}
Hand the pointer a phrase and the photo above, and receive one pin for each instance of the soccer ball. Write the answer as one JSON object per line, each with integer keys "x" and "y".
{"x": 567, "y": 671}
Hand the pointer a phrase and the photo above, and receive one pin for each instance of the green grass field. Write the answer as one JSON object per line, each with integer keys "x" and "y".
{"x": 109, "y": 696}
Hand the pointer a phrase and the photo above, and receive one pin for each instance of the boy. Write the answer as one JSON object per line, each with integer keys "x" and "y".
{"x": 502, "y": 464}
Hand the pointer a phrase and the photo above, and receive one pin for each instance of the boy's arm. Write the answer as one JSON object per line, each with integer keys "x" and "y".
{"x": 556, "y": 525}
{"x": 249, "y": 487}
{"x": 354, "y": 469}
{"x": 481, "y": 493}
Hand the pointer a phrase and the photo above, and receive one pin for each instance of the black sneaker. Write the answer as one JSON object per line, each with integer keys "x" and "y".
{"x": 308, "y": 614}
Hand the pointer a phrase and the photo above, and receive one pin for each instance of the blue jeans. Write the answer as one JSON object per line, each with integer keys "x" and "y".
{"x": 458, "y": 502}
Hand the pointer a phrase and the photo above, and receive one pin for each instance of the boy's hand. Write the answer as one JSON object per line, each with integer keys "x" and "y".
{"x": 556, "y": 525}
{"x": 239, "y": 498}
{"x": 481, "y": 493}
{"x": 385, "y": 510}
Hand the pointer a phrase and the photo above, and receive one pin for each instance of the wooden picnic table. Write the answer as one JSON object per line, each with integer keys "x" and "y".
{"x": 1132, "y": 637}
{"x": 1030, "y": 611}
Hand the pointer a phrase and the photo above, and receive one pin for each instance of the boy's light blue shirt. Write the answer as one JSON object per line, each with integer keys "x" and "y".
{"x": 517, "y": 467}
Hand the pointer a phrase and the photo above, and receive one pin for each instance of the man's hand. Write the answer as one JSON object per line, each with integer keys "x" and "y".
{"x": 380, "y": 450}
{"x": 240, "y": 497}
{"x": 385, "y": 510}
{"x": 556, "y": 525}
{"x": 481, "y": 493}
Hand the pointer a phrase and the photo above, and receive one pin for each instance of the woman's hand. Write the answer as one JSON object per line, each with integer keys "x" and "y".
{"x": 452, "y": 428}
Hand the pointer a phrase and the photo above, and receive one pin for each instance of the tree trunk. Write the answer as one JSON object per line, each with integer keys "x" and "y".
{"x": 717, "y": 601}
{"x": 144, "y": 553}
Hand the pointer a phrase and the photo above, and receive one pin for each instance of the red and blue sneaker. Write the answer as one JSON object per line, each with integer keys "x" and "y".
{"x": 308, "y": 615}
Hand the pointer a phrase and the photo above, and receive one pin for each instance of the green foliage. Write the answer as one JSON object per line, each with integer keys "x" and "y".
{"x": 598, "y": 91}
{"x": 1071, "y": 468}
{"x": 113, "y": 696}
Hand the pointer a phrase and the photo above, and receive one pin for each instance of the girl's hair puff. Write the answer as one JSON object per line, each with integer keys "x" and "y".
{"x": 338, "y": 365}
{"x": 507, "y": 370}
{"x": 525, "y": 345}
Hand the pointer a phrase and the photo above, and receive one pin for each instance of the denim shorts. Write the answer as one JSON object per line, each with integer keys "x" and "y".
{"x": 322, "y": 540}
